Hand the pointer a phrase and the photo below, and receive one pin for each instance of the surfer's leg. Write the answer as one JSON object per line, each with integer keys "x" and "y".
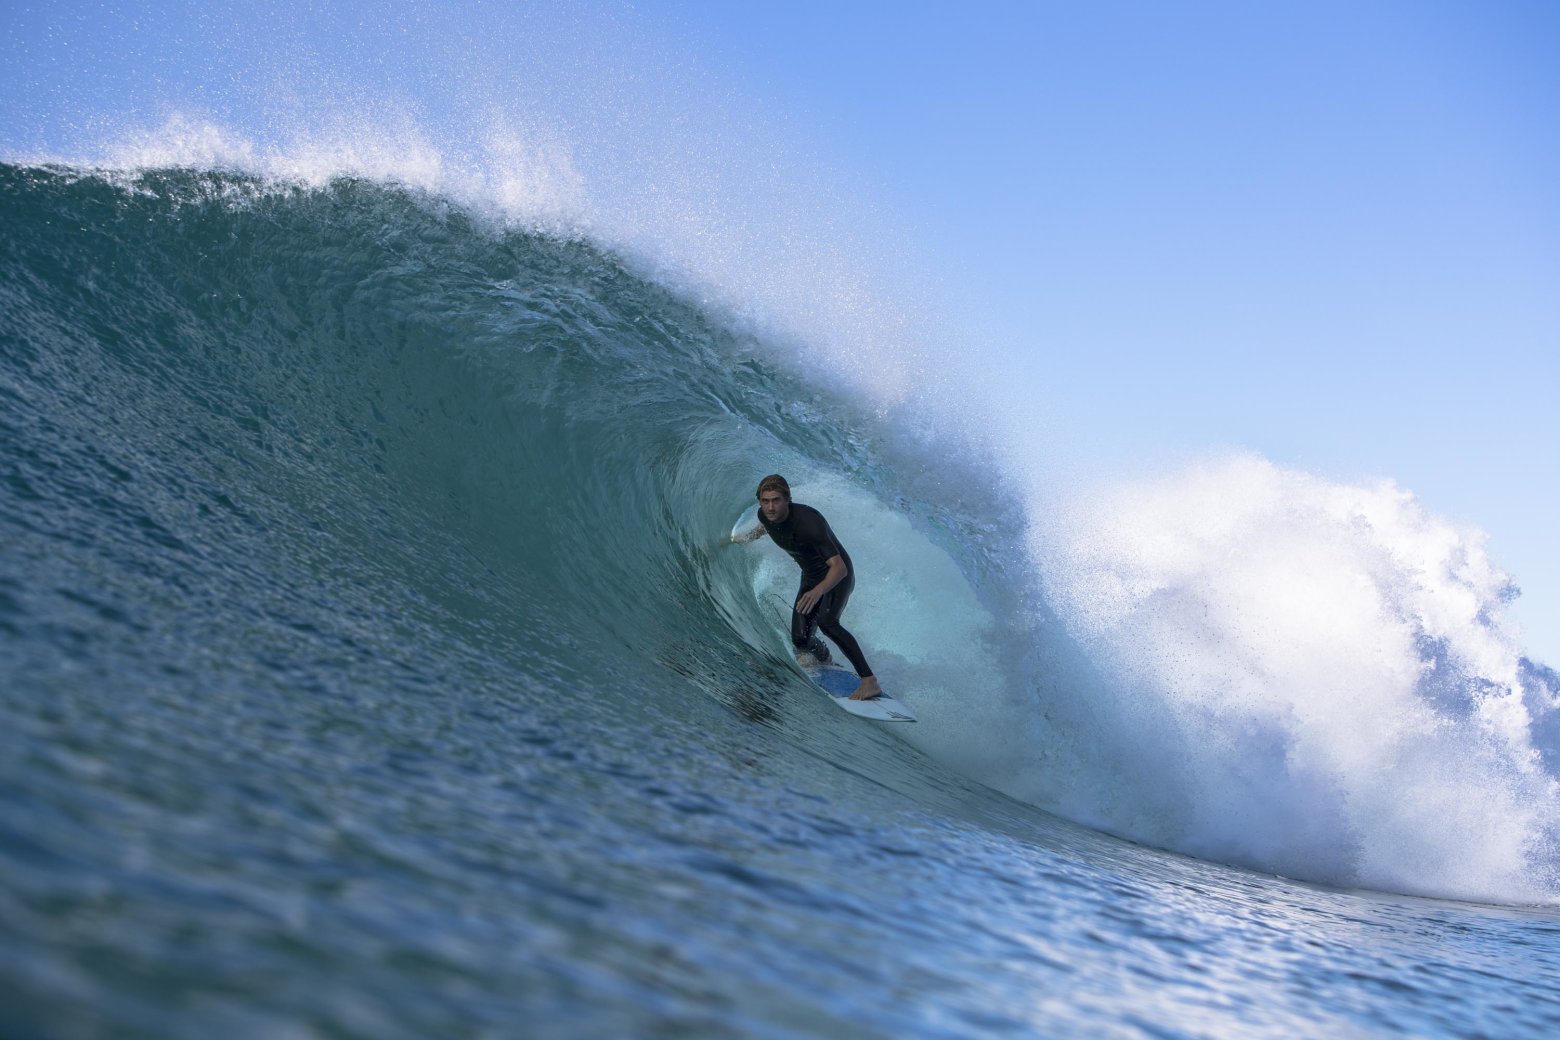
{"x": 840, "y": 637}
{"x": 803, "y": 636}
{"x": 828, "y": 612}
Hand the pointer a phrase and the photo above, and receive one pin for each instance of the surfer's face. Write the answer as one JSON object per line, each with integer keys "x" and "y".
{"x": 774, "y": 506}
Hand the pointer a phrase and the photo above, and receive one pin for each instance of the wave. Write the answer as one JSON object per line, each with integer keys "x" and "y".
{"x": 349, "y": 403}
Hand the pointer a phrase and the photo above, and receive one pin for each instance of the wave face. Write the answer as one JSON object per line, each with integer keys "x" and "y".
{"x": 355, "y": 539}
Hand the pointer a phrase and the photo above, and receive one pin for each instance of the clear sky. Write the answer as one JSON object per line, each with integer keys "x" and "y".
{"x": 1325, "y": 232}
{"x": 1329, "y": 233}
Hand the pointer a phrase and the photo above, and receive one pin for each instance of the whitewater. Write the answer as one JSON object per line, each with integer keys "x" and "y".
{"x": 374, "y": 660}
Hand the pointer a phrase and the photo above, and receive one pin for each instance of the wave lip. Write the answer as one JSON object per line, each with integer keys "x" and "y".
{"x": 738, "y": 232}
{"x": 526, "y": 179}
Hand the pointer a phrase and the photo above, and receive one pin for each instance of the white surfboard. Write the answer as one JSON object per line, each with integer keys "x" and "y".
{"x": 839, "y": 682}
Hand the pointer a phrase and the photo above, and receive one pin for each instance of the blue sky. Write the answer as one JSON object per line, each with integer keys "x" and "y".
{"x": 1329, "y": 233}
{"x": 1325, "y": 232}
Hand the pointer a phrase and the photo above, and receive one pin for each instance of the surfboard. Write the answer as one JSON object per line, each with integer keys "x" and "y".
{"x": 839, "y": 682}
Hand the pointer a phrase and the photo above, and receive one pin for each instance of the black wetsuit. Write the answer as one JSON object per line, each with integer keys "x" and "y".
{"x": 805, "y": 534}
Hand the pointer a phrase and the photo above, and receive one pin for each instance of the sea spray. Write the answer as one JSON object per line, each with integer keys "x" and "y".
{"x": 774, "y": 257}
{"x": 1320, "y": 673}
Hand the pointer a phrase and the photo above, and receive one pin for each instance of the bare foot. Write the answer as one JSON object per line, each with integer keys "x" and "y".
{"x": 868, "y": 689}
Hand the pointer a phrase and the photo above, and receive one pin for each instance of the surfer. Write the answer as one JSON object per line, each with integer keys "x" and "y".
{"x": 827, "y": 579}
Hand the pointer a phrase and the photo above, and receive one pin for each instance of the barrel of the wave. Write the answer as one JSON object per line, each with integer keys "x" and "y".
{"x": 833, "y": 680}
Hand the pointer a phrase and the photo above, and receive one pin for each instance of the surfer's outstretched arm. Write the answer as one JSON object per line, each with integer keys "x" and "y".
{"x": 752, "y": 534}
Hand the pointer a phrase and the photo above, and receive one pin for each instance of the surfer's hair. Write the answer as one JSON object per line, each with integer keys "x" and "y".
{"x": 774, "y": 482}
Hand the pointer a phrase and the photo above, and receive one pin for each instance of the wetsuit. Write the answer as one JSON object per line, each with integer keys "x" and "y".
{"x": 806, "y": 536}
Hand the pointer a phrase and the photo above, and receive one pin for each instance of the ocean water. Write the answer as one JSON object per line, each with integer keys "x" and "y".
{"x": 374, "y": 663}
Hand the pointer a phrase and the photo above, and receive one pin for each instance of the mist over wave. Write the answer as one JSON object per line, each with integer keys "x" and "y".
{"x": 771, "y": 251}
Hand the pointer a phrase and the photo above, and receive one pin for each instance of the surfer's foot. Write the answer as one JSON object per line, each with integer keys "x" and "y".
{"x": 806, "y": 660}
{"x": 868, "y": 689}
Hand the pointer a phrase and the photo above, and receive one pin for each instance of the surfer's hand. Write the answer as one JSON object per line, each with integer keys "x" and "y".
{"x": 808, "y": 600}
{"x": 752, "y": 534}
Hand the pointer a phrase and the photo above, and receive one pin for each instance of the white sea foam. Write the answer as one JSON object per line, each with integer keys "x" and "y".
{"x": 519, "y": 178}
{"x": 1307, "y": 677}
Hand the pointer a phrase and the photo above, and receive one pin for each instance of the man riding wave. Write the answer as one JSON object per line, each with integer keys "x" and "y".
{"x": 827, "y": 579}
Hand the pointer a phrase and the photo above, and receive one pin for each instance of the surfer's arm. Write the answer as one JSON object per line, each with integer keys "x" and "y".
{"x": 837, "y": 572}
{"x": 753, "y": 534}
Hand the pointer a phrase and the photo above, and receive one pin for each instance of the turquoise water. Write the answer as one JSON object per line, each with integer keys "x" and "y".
{"x": 373, "y": 663}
